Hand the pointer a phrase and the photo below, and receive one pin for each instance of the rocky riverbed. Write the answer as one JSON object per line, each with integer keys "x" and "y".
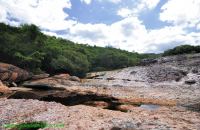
{"x": 159, "y": 95}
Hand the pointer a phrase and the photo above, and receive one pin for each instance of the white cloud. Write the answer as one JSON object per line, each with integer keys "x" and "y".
{"x": 136, "y": 9}
{"x": 181, "y": 12}
{"x": 86, "y": 1}
{"x": 112, "y": 1}
{"x": 124, "y": 12}
{"x": 47, "y": 14}
{"x": 147, "y": 4}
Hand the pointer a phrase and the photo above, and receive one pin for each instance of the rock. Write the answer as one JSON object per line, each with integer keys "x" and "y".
{"x": 13, "y": 84}
{"x": 38, "y": 85}
{"x": 190, "y": 82}
{"x": 195, "y": 71}
{"x": 110, "y": 78}
{"x": 60, "y": 81}
{"x": 40, "y": 76}
{"x": 148, "y": 61}
{"x": 24, "y": 95}
{"x": 94, "y": 75}
{"x": 4, "y": 89}
{"x": 158, "y": 73}
{"x": 20, "y": 89}
{"x": 12, "y": 73}
{"x": 74, "y": 78}
{"x": 62, "y": 76}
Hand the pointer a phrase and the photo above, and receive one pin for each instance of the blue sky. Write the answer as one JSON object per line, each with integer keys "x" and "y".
{"x": 143, "y": 26}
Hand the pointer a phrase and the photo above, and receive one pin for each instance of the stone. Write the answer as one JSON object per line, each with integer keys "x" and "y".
{"x": 195, "y": 71}
{"x": 148, "y": 61}
{"x": 11, "y": 73}
{"x": 13, "y": 84}
{"x": 4, "y": 89}
{"x": 190, "y": 82}
{"x": 40, "y": 76}
{"x": 74, "y": 78}
{"x": 60, "y": 82}
{"x": 62, "y": 76}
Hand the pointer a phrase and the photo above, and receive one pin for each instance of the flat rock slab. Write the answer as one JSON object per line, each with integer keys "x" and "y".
{"x": 82, "y": 117}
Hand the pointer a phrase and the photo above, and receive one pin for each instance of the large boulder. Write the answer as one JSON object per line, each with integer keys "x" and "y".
{"x": 60, "y": 81}
{"x": 11, "y": 73}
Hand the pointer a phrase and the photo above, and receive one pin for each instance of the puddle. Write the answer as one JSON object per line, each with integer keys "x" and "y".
{"x": 150, "y": 107}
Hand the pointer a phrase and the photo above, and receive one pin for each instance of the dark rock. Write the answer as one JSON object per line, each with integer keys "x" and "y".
{"x": 37, "y": 85}
{"x": 194, "y": 106}
{"x": 24, "y": 95}
{"x": 195, "y": 71}
{"x": 133, "y": 72}
{"x": 13, "y": 84}
{"x": 160, "y": 73}
{"x": 12, "y": 73}
{"x": 148, "y": 61}
{"x": 111, "y": 78}
{"x": 190, "y": 82}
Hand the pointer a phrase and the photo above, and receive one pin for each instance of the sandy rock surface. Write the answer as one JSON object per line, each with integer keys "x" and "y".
{"x": 90, "y": 118}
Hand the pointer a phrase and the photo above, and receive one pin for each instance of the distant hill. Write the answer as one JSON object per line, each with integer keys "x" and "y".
{"x": 28, "y": 48}
{"x": 183, "y": 49}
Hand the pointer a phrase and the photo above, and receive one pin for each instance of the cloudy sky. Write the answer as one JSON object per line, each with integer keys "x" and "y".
{"x": 133, "y": 25}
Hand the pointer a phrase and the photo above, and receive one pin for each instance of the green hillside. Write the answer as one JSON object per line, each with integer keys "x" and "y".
{"x": 183, "y": 49}
{"x": 30, "y": 49}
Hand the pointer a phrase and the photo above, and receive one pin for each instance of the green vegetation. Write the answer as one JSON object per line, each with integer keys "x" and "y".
{"x": 30, "y": 49}
{"x": 183, "y": 49}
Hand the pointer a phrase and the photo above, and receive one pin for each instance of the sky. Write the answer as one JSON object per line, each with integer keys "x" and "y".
{"x": 144, "y": 26}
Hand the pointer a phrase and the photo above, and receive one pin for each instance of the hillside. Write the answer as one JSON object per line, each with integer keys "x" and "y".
{"x": 30, "y": 49}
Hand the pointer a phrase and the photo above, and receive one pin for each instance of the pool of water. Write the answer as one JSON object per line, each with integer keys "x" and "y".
{"x": 150, "y": 107}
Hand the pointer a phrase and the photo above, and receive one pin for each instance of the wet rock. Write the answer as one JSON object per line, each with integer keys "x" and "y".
{"x": 194, "y": 106}
{"x": 11, "y": 73}
{"x": 190, "y": 82}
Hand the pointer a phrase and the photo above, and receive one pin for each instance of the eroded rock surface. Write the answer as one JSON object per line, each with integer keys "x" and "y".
{"x": 55, "y": 82}
{"x": 4, "y": 89}
{"x": 82, "y": 117}
{"x": 11, "y": 73}
{"x": 158, "y": 96}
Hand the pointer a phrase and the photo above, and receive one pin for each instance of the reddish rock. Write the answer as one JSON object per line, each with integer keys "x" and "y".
{"x": 3, "y": 89}
{"x": 11, "y": 73}
{"x": 60, "y": 81}
{"x": 62, "y": 76}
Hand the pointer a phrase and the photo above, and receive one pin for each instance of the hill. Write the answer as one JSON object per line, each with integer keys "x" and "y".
{"x": 28, "y": 48}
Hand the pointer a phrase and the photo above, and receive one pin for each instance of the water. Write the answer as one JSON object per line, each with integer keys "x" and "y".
{"x": 150, "y": 107}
